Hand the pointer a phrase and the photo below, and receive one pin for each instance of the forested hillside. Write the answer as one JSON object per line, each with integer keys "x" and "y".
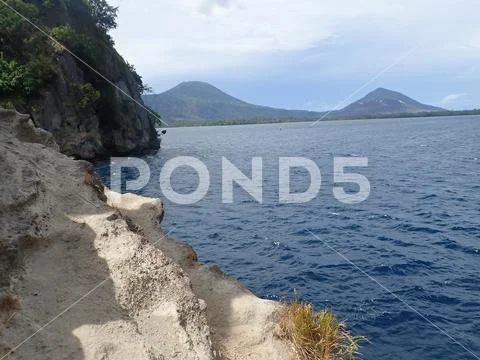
{"x": 87, "y": 115}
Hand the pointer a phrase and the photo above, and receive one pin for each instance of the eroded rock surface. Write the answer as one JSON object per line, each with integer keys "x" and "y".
{"x": 98, "y": 279}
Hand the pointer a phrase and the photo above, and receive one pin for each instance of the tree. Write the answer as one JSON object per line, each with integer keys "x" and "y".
{"x": 154, "y": 117}
{"x": 142, "y": 88}
{"x": 14, "y": 31}
{"x": 105, "y": 15}
{"x": 25, "y": 63}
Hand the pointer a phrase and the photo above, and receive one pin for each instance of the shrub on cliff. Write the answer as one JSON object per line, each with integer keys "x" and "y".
{"x": 18, "y": 81}
{"x": 317, "y": 335}
{"x": 105, "y": 15}
{"x": 25, "y": 65}
{"x": 27, "y": 60}
{"x": 30, "y": 61}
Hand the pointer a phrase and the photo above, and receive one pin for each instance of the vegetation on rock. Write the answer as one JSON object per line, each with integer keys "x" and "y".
{"x": 317, "y": 335}
{"x": 40, "y": 76}
{"x": 26, "y": 61}
{"x": 9, "y": 304}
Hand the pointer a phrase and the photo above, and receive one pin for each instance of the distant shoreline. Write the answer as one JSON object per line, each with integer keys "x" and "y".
{"x": 226, "y": 122}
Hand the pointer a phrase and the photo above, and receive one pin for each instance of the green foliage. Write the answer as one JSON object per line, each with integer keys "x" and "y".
{"x": 105, "y": 15}
{"x": 39, "y": 74}
{"x": 11, "y": 75}
{"x": 14, "y": 31}
{"x": 30, "y": 61}
{"x": 66, "y": 35}
{"x": 85, "y": 95}
{"x": 25, "y": 63}
{"x": 128, "y": 106}
{"x": 233, "y": 121}
{"x": 24, "y": 79}
{"x": 46, "y": 4}
{"x": 155, "y": 117}
{"x": 318, "y": 335}
{"x": 24, "y": 7}
{"x": 141, "y": 87}
{"x": 6, "y": 104}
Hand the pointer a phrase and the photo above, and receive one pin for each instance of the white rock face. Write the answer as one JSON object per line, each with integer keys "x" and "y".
{"x": 96, "y": 278}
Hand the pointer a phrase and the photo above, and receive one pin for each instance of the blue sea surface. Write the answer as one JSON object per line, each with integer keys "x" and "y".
{"x": 418, "y": 233}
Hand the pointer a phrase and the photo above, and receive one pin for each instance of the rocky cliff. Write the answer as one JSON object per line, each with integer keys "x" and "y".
{"x": 87, "y": 115}
{"x": 86, "y": 273}
{"x": 86, "y": 132}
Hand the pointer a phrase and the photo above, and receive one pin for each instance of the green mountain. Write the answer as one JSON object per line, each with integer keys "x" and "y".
{"x": 383, "y": 101}
{"x": 195, "y": 100}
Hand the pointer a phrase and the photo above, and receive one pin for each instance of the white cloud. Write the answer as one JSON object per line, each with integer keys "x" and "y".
{"x": 451, "y": 98}
{"x": 182, "y": 35}
{"x": 185, "y": 37}
{"x": 208, "y": 6}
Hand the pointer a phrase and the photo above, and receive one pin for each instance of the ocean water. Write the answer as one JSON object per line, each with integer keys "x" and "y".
{"x": 418, "y": 233}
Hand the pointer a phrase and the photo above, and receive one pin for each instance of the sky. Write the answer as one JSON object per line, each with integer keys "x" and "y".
{"x": 307, "y": 54}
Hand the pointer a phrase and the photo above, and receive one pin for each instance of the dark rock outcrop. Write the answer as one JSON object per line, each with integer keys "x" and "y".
{"x": 70, "y": 79}
{"x": 123, "y": 127}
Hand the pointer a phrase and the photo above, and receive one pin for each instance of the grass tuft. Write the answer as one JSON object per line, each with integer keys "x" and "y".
{"x": 9, "y": 304}
{"x": 317, "y": 335}
{"x": 92, "y": 180}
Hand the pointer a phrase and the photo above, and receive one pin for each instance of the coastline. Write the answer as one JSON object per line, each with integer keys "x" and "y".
{"x": 239, "y": 122}
{"x": 95, "y": 277}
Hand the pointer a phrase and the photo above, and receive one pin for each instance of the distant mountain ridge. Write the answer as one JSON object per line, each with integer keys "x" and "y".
{"x": 383, "y": 101}
{"x": 196, "y": 100}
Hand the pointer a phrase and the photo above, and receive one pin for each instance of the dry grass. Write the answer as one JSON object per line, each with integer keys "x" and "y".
{"x": 8, "y": 302}
{"x": 92, "y": 180}
{"x": 9, "y": 305}
{"x": 130, "y": 223}
{"x": 132, "y": 226}
{"x": 317, "y": 335}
